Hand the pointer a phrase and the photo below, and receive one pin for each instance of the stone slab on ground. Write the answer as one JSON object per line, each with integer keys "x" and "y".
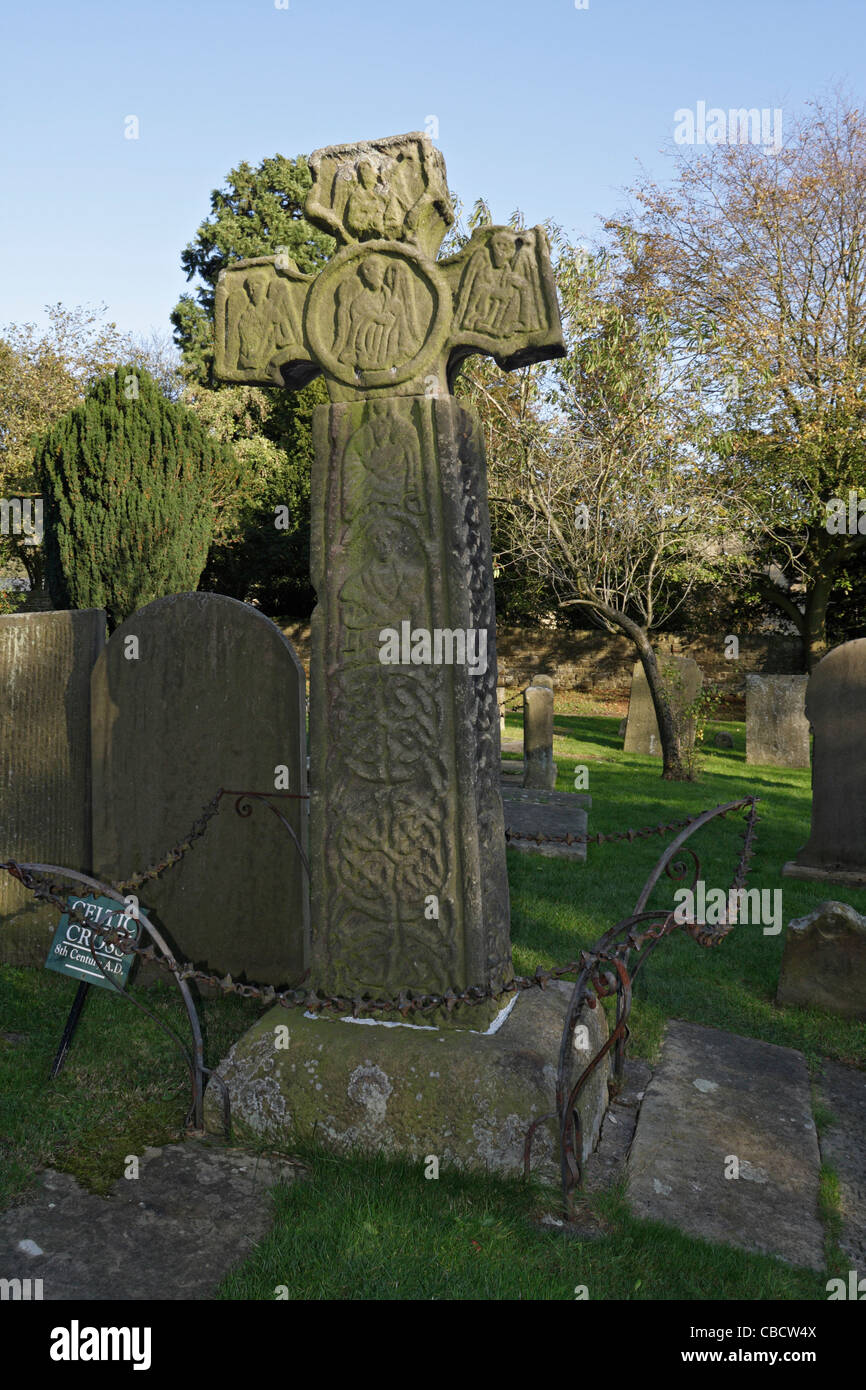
{"x": 511, "y": 773}
{"x": 606, "y": 1164}
{"x": 396, "y": 1088}
{"x": 195, "y": 1212}
{"x": 529, "y": 811}
{"x": 714, "y": 1095}
{"x": 843, "y": 1091}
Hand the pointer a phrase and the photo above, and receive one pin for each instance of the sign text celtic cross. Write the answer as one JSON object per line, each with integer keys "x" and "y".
{"x": 409, "y": 887}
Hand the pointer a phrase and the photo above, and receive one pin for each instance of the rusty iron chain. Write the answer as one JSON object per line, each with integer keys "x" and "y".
{"x": 183, "y": 847}
{"x": 198, "y": 829}
{"x": 512, "y": 699}
{"x": 174, "y": 856}
{"x": 402, "y": 1004}
{"x": 599, "y": 839}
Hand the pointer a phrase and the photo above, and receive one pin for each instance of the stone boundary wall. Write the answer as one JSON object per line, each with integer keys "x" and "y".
{"x": 598, "y": 664}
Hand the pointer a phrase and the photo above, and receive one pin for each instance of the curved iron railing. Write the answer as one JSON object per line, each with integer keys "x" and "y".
{"x": 601, "y": 971}
{"x": 604, "y": 971}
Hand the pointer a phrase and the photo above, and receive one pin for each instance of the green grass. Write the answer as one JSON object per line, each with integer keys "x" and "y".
{"x": 374, "y": 1228}
{"x": 358, "y": 1228}
{"x": 830, "y": 1206}
{"x": 124, "y": 1085}
{"x": 557, "y": 906}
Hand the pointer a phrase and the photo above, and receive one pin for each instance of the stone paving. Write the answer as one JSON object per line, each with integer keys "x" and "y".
{"x": 726, "y": 1146}
{"x": 196, "y": 1210}
{"x": 606, "y": 1165}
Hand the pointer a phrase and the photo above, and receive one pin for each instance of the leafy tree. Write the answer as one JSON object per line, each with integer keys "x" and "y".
{"x": 131, "y": 482}
{"x": 261, "y": 548}
{"x": 43, "y": 374}
{"x": 760, "y": 257}
{"x": 259, "y": 210}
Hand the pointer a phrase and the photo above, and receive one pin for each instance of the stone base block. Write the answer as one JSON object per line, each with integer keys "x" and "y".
{"x": 469, "y": 1098}
{"x": 853, "y": 878}
{"x": 530, "y": 812}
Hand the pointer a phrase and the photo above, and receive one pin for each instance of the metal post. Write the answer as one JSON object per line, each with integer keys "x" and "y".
{"x": 69, "y": 1031}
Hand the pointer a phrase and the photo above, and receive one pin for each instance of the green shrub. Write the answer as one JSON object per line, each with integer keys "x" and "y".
{"x": 128, "y": 481}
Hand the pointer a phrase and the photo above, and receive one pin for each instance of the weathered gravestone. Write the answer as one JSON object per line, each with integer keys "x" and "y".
{"x": 777, "y": 730}
{"x": 682, "y": 677}
{"x": 824, "y": 961}
{"x": 45, "y": 665}
{"x": 409, "y": 886}
{"x": 539, "y": 767}
{"x": 192, "y": 693}
{"x": 836, "y": 709}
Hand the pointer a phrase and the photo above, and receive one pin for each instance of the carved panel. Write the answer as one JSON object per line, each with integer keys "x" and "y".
{"x": 385, "y": 779}
{"x": 393, "y": 189}
{"x": 258, "y": 323}
{"x": 504, "y": 298}
{"x": 378, "y": 315}
{"x": 406, "y": 805}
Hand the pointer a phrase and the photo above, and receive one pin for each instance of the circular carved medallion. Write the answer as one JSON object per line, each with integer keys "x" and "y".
{"x": 378, "y": 314}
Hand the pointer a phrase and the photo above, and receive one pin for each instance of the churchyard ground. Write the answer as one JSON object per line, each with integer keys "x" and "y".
{"x": 373, "y": 1228}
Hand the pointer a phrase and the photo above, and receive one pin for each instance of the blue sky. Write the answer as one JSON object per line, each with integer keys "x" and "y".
{"x": 540, "y": 106}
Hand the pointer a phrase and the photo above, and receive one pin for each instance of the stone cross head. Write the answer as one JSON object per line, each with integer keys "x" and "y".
{"x": 384, "y": 317}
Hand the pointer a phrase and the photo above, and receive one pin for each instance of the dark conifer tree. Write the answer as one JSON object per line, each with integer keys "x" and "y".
{"x": 128, "y": 480}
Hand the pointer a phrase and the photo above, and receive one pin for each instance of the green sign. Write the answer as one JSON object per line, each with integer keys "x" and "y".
{"x": 76, "y": 943}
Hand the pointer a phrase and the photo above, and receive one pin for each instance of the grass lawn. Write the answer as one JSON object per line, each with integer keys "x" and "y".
{"x": 556, "y": 905}
{"x": 375, "y": 1228}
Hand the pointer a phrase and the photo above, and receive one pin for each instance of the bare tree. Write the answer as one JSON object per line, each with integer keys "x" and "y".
{"x": 761, "y": 259}
{"x": 595, "y": 477}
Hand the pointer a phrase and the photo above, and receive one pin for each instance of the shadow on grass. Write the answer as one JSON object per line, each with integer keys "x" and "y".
{"x": 374, "y": 1228}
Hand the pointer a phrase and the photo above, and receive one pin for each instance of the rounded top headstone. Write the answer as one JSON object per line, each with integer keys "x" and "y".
{"x": 195, "y": 693}
{"x": 838, "y": 677}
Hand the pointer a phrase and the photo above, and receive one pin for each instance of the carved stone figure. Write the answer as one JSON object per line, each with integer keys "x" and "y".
{"x": 254, "y": 325}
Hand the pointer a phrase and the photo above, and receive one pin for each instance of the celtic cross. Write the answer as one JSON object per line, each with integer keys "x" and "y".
{"x": 409, "y": 889}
